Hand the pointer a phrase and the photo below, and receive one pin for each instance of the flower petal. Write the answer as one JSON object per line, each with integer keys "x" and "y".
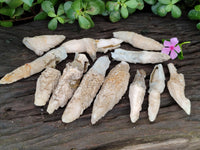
{"x": 166, "y": 50}
{"x": 173, "y": 54}
{"x": 174, "y": 41}
{"x": 167, "y": 43}
{"x": 178, "y": 49}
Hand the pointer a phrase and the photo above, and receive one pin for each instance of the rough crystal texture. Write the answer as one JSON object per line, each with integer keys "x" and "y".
{"x": 91, "y": 46}
{"x": 137, "y": 91}
{"x": 142, "y": 57}
{"x": 156, "y": 87}
{"x": 114, "y": 87}
{"x": 176, "y": 87}
{"x": 68, "y": 82}
{"x": 46, "y": 83}
{"x": 87, "y": 90}
{"x": 50, "y": 59}
{"x": 138, "y": 41}
{"x": 43, "y": 43}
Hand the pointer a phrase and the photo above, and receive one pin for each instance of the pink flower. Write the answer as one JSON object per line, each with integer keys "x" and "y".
{"x": 171, "y": 48}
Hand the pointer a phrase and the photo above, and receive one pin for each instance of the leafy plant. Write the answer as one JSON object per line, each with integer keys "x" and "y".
{"x": 48, "y": 8}
{"x": 14, "y": 10}
{"x": 194, "y": 14}
{"x": 150, "y": 2}
{"x": 82, "y": 11}
{"x": 122, "y": 8}
{"x": 162, "y": 7}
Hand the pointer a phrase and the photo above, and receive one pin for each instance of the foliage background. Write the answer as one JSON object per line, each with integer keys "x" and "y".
{"x": 62, "y": 11}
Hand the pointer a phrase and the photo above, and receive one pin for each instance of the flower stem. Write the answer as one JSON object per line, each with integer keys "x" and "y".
{"x": 187, "y": 42}
{"x": 180, "y": 55}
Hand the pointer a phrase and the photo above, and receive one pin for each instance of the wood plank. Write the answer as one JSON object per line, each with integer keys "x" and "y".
{"x": 24, "y": 126}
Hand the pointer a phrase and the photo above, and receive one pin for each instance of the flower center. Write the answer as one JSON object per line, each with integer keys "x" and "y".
{"x": 171, "y": 48}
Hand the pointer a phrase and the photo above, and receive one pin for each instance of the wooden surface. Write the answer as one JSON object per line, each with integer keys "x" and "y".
{"x": 24, "y": 126}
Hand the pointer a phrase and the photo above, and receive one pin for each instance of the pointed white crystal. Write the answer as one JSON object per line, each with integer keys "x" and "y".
{"x": 103, "y": 45}
{"x": 50, "y": 59}
{"x": 43, "y": 43}
{"x": 114, "y": 87}
{"x": 91, "y": 46}
{"x": 176, "y": 87}
{"x": 137, "y": 91}
{"x": 87, "y": 90}
{"x": 138, "y": 41}
{"x": 142, "y": 57}
{"x": 46, "y": 83}
{"x": 81, "y": 45}
{"x": 156, "y": 87}
{"x": 68, "y": 82}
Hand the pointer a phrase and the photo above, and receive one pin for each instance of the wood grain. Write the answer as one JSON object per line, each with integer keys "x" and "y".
{"x": 24, "y": 126}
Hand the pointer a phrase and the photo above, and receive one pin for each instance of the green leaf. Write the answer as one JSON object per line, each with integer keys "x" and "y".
{"x": 71, "y": 21}
{"x": 131, "y": 11}
{"x": 7, "y": 11}
{"x": 90, "y": 20}
{"x": 162, "y": 11}
{"x": 60, "y": 10}
{"x": 114, "y": 16}
{"x": 180, "y": 55}
{"x": 93, "y": 8}
{"x": 124, "y": 12}
{"x": 52, "y": 25}
{"x": 194, "y": 15}
{"x": 176, "y": 12}
{"x": 84, "y": 22}
{"x": 132, "y": 3}
{"x": 47, "y": 6}
{"x": 101, "y": 4}
{"x": 40, "y": 16}
{"x": 84, "y": 5}
{"x": 54, "y": 2}
{"x": 26, "y": 7}
{"x": 61, "y": 20}
{"x": 168, "y": 8}
{"x": 110, "y": 6}
{"x": 140, "y": 5}
{"x": 154, "y": 8}
{"x": 28, "y": 2}
{"x": 51, "y": 14}
{"x": 71, "y": 14}
{"x": 39, "y": 1}
{"x": 117, "y": 7}
{"x": 150, "y": 2}
{"x": 65, "y": 18}
{"x": 14, "y": 3}
{"x": 165, "y": 1}
{"x": 163, "y": 40}
{"x": 6, "y": 23}
{"x": 77, "y": 5}
{"x": 197, "y": 7}
{"x": 198, "y": 25}
{"x": 175, "y": 1}
{"x": 18, "y": 12}
{"x": 105, "y": 13}
{"x": 67, "y": 6}
{"x": 1, "y": 1}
